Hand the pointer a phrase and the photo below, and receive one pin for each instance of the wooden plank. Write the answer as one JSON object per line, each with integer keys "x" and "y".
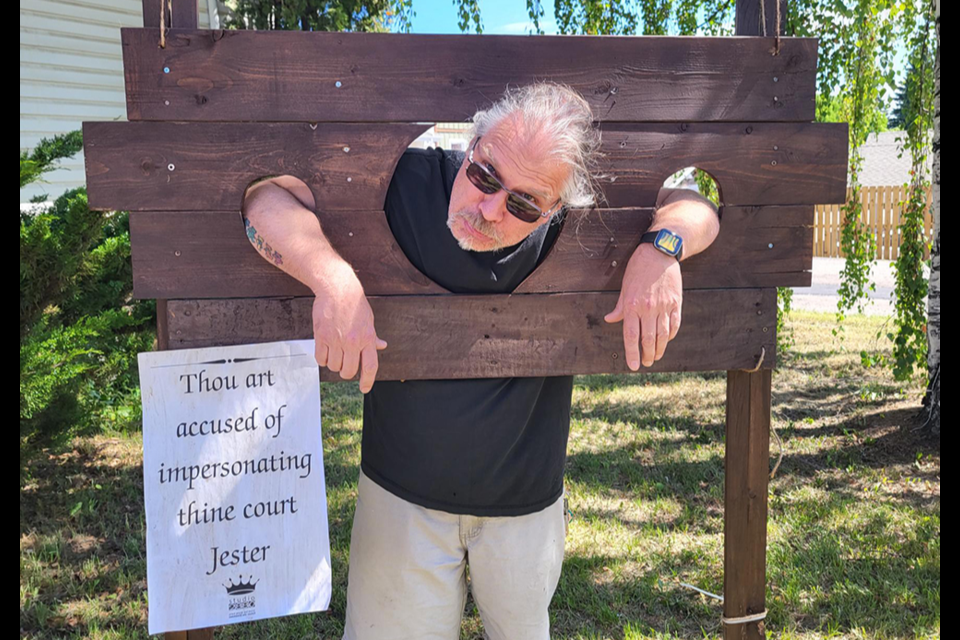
{"x": 165, "y": 166}
{"x": 757, "y": 247}
{"x": 291, "y": 76}
{"x": 492, "y": 336}
{"x": 208, "y": 255}
{"x": 154, "y": 166}
{"x": 747, "y": 477}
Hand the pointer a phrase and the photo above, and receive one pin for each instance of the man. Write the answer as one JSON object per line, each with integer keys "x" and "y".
{"x": 470, "y": 472}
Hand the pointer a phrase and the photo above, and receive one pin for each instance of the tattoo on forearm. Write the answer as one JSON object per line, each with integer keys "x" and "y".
{"x": 262, "y": 246}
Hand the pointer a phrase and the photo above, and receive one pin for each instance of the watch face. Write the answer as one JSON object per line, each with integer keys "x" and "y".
{"x": 668, "y": 242}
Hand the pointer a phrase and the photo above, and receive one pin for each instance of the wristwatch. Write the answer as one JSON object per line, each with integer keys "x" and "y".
{"x": 666, "y": 241}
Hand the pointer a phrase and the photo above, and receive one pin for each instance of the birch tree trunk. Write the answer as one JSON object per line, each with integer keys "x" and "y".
{"x": 933, "y": 323}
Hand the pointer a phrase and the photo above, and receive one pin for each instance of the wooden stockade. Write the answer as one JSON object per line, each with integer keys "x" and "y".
{"x": 213, "y": 110}
{"x": 882, "y": 207}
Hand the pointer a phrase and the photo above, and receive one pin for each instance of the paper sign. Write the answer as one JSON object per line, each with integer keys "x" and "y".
{"x": 234, "y": 486}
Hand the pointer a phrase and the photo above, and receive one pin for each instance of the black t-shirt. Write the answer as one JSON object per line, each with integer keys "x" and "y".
{"x": 482, "y": 447}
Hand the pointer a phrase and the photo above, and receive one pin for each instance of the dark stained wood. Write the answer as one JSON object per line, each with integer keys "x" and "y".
{"x": 208, "y": 255}
{"x": 162, "y": 166}
{"x": 747, "y": 477}
{"x": 180, "y": 14}
{"x": 163, "y": 333}
{"x": 200, "y": 634}
{"x": 753, "y": 164}
{"x": 493, "y": 336}
{"x": 749, "y": 401}
{"x": 175, "y": 635}
{"x": 291, "y": 76}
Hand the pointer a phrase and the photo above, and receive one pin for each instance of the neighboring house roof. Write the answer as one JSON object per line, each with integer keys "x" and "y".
{"x": 881, "y": 166}
{"x": 71, "y": 70}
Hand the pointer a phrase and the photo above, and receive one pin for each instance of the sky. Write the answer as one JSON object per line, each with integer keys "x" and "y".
{"x": 498, "y": 17}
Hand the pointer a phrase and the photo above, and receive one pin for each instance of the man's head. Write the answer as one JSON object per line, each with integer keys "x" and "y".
{"x": 539, "y": 141}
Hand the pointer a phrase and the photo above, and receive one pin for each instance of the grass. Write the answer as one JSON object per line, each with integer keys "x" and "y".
{"x": 853, "y": 537}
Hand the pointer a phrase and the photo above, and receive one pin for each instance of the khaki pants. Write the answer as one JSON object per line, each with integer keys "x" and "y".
{"x": 407, "y": 577}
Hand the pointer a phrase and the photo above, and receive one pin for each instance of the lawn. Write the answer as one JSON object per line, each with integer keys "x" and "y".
{"x": 853, "y": 539}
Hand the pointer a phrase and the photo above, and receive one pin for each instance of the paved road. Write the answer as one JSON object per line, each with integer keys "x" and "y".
{"x": 822, "y": 296}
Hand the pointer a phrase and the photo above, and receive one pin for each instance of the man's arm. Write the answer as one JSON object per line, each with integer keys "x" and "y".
{"x": 281, "y": 225}
{"x": 283, "y": 228}
{"x": 651, "y": 295}
{"x": 689, "y": 215}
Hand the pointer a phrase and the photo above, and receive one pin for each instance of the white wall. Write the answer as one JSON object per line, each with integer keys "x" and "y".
{"x": 71, "y": 70}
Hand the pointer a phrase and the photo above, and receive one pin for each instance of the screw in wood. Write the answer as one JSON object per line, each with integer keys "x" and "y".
{"x": 615, "y": 356}
{"x": 774, "y": 163}
{"x": 166, "y": 103}
{"x": 614, "y": 263}
{"x": 339, "y": 84}
{"x": 351, "y": 234}
{"x": 171, "y": 167}
{"x": 166, "y": 69}
{"x": 770, "y": 245}
{"x": 176, "y": 253}
{"x": 349, "y": 179}
{"x": 776, "y": 79}
{"x": 346, "y": 149}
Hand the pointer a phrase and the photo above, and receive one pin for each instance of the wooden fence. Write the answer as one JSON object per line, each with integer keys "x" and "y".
{"x": 881, "y": 212}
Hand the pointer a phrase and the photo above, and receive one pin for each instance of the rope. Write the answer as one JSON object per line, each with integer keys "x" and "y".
{"x": 706, "y": 593}
{"x": 763, "y": 354}
{"x": 763, "y": 23}
{"x": 163, "y": 24}
{"x": 777, "y": 52}
{"x": 757, "y": 617}
{"x": 773, "y": 474}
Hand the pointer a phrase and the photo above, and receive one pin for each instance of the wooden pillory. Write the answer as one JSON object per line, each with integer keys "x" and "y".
{"x": 212, "y": 111}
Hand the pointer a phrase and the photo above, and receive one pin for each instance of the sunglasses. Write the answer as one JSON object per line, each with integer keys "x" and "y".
{"x": 518, "y": 205}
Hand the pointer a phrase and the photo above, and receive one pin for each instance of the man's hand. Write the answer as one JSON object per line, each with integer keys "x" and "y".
{"x": 343, "y": 327}
{"x": 650, "y": 302}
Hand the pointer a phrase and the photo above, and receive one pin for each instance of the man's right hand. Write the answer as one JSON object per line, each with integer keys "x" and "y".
{"x": 343, "y": 327}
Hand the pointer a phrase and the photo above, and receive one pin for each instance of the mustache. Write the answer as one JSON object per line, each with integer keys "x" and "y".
{"x": 480, "y": 223}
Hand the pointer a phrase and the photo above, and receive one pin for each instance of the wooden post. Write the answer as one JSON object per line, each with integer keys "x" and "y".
{"x": 181, "y": 14}
{"x": 745, "y": 515}
{"x": 748, "y": 17}
{"x": 749, "y": 399}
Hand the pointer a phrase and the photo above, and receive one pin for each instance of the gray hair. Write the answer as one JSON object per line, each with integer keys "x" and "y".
{"x": 564, "y": 118}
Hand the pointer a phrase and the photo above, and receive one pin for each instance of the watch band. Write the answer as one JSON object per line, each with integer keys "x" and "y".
{"x": 651, "y": 237}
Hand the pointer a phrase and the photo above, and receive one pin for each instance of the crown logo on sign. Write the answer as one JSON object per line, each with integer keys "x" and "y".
{"x": 241, "y": 588}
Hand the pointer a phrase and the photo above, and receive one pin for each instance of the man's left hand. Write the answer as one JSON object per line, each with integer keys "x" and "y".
{"x": 650, "y": 302}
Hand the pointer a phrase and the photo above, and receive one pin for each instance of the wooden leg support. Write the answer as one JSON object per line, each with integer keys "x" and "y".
{"x": 745, "y": 527}
{"x": 200, "y": 634}
{"x": 163, "y": 344}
